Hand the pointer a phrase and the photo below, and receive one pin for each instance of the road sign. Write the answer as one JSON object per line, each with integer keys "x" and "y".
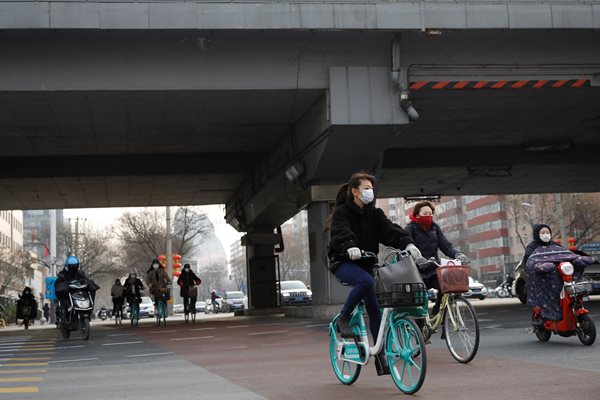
{"x": 590, "y": 246}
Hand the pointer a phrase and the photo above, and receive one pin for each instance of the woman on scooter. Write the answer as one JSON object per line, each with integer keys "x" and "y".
{"x": 544, "y": 282}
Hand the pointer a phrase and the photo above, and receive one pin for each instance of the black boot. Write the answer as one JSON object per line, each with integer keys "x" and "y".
{"x": 381, "y": 365}
{"x": 343, "y": 327}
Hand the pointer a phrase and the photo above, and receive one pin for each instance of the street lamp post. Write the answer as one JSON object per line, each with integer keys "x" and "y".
{"x": 561, "y": 221}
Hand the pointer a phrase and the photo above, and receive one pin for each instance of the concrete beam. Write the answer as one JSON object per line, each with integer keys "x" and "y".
{"x": 144, "y": 15}
{"x": 346, "y": 131}
{"x": 125, "y": 165}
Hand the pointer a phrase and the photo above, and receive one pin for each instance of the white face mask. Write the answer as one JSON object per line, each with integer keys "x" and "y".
{"x": 155, "y": 266}
{"x": 367, "y": 196}
{"x": 545, "y": 237}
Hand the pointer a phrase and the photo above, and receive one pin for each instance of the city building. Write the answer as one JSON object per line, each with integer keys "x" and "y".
{"x": 11, "y": 246}
{"x": 36, "y": 231}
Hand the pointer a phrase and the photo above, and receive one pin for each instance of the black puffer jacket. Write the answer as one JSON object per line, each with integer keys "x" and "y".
{"x": 187, "y": 279}
{"x": 429, "y": 242}
{"x": 365, "y": 228}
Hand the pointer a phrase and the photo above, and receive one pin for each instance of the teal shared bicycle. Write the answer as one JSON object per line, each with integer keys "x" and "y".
{"x": 134, "y": 311}
{"x": 399, "y": 337}
{"x": 161, "y": 307}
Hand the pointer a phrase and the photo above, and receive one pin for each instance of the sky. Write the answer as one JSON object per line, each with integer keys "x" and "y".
{"x": 104, "y": 217}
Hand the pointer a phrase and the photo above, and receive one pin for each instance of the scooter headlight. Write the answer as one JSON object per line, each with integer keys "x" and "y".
{"x": 567, "y": 268}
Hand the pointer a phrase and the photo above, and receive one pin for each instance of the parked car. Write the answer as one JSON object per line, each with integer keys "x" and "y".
{"x": 476, "y": 289}
{"x": 592, "y": 274}
{"x": 201, "y": 306}
{"x": 178, "y": 308}
{"x": 233, "y": 301}
{"x": 146, "y": 307}
{"x": 294, "y": 292}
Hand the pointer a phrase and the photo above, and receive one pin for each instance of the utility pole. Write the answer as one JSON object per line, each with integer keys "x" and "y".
{"x": 169, "y": 258}
{"x": 53, "y": 259}
{"x": 561, "y": 220}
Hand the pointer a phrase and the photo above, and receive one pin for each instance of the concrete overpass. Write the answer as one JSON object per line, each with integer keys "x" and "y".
{"x": 153, "y": 103}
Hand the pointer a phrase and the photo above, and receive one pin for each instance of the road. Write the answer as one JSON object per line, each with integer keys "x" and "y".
{"x": 274, "y": 357}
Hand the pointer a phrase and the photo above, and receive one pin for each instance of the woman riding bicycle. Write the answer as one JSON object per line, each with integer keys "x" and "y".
{"x": 132, "y": 289}
{"x": 186, "y": 280}
{"x": 428, "y": 237}
{"x": 158, "y": 281}
{"x": 116, "y": 292}
{"x": 357, "y": 225}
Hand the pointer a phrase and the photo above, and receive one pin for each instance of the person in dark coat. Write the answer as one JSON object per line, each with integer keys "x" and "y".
{"x": 70, "y": 272}
{"x": 428, "y": 237}
{"x": 27, "y": 299}
{"x": 541, "y": 237}
{"x": 188, "y": 279}
{"x": 356, "y": 225}
{"x": 544, "y": 283}
{"x": 132, "y": 289}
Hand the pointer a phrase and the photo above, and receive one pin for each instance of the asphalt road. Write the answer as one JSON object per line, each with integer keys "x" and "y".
{"x": 273, "y": 357}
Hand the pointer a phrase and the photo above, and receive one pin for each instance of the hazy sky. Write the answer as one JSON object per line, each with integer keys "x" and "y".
{"x": 104, "y": 217}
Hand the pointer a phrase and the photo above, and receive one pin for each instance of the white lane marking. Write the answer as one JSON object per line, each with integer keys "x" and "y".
{"x": 280, "y": 344}
{"x": 315, "y": 325}
{"x": 482, "y": 313}
{"x": 484, "y": 320}
{"x": 122, "y": 334}
{"x": 68, "y": 347}
{"x": 152, "y": 333}
{"x": 238, "y": 326}
{"x": 148, "y": 355}
{"x": 200, "y": 329}
{"x": 193, "y": 338}
{"x": 122, "y": 343}
{"x": 74, "y": 360}
{"x": 266, "y": 333}
{"x": 226, "y": 348}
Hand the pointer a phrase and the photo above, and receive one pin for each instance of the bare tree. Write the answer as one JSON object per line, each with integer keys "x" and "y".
{"x": 581, "y": 213}
{"x": 143, "y": 234}
{"x": 191, "y": 228}
{"x": 294, "y": 261}
{"x": 14, "y": 265}
{"x": 93, "y": 249}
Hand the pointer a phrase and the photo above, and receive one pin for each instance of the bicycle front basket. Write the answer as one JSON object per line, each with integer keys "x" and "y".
{"x": 453, "y": 279}
{"x": 403, "y": 295}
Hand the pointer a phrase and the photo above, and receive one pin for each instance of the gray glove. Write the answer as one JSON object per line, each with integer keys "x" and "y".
{"x": 415, "y": 253}
{"x": 464, "y": 260}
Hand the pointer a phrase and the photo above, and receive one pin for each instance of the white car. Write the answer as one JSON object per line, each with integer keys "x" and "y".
{"x": 146, "y": 307}
{"x": 476, "y": 289}
{"x": 177, "y": 308}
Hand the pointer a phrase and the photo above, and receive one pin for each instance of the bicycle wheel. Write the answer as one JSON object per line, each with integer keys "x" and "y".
{"x": 135, "y": 315}
{"x": 405, "y": 351}
{"x": 346, "y": 372}
{"x": 462, "y": 329}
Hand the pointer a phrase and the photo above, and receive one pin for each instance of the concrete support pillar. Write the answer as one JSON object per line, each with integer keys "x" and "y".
{"x": 325, "y": 287}
{"x": 261, "y": 269}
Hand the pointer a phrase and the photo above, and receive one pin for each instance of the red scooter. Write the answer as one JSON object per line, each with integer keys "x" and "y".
{"x": 575, "y": 319}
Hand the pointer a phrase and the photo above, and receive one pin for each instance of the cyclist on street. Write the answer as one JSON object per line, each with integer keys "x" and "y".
{"x": 428, "y": 237}
{"x": 158, "y": 280}
{"x": 132, "y": 289}
{"x": 357, "y": 225}
{"x": 116, "y": 292}
{"x": 187, "y": 280}
{"x": 213, "y": 301}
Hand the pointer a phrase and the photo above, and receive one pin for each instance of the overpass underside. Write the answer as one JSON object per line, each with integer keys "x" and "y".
{"x": 137, "y": 104}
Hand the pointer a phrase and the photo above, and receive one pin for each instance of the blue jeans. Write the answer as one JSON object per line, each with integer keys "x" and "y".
{"x": 363, "y": 289}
